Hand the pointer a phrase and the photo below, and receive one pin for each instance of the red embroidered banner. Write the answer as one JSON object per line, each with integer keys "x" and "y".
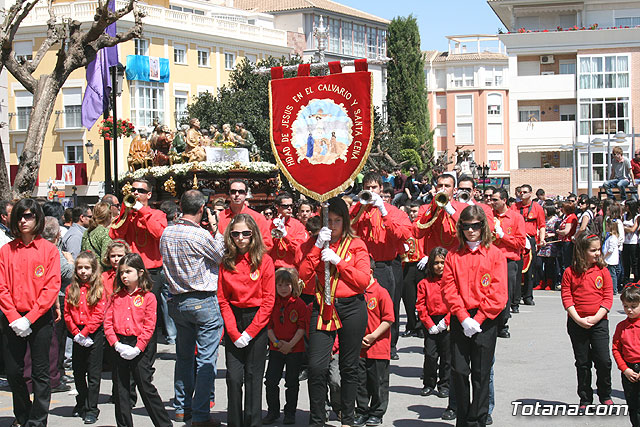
{"x": 321, "y": 130}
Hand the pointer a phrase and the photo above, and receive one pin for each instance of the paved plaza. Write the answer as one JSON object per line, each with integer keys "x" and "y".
{"x": 535, "y": 364}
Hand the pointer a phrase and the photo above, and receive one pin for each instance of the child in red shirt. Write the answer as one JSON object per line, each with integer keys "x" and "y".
{"x": 129, "y": 325}
{"x": 287, "y": 327}
{"x": 84, "y": 306}
{"x": 587, "y": 295}
{"x": 626, "y": 350}
{"x": 435, "y": 317}
{"x": 115, "y": 251}
{"x": 372, "y": 398}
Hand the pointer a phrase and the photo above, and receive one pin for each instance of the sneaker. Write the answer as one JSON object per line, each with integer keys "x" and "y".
{"x": 607, "y": 401}
{"x": 582, "y": 409}
{"x": 374, "y": 421}
{"x": 427, "y": 391}
{"x": 181, "y": 417}
{"x": 489, "y": 420}
{"x": 90, "y": 419}
{"x": 289, "y": 419}
{"x": 360, "y": 420}
{"x": 270, "y": 418}
{"x": 448, "y": 414}
{"x": 211, "y": 404}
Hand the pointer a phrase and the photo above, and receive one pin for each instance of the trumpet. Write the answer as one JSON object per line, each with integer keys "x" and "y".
{"x": 463, "y": 196}
{"x": 276, "y": 233}
{"x": 441, "y": 198}
{"x": 128, "y": 201}
{"x": 365, "y": 196}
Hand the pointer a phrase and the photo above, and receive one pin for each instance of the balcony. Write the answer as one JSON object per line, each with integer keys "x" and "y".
{"x": 69, "y": 119}
{"x": 543, "y": 136}
{"x": 556, "y": 86}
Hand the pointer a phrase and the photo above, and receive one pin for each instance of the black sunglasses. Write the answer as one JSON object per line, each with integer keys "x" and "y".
{"x": 139, "y": 190}
{"x": 286, "y": 206}
{"x": 472, "y": 225}
{"x": 237, "y": 191}
{"x": 245, "y": 233}
{"x": 28, "y": 216}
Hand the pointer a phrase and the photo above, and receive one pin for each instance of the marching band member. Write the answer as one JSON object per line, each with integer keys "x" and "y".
{"x": 287, "y": 233}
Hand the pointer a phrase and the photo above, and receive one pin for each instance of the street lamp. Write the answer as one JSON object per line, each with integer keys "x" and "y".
{"x": 597, "y": 142}
{"x": 485, "y": 173}
{"x": 95, "y": 157}
{"x": 321, "y": 33}
{"x": 117, "y": 79}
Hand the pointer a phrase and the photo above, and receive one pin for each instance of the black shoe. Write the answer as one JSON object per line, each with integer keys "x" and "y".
{"x": 448, "y": 414}
{"x": 66, "y": 379}
{"x": 394, "y": 355}
{"x": 515, "y": 309}
{"x": 60, "y": 388}
{"x": 489, "y": 420}
{"x": 374, "y": 421}
{"x": 270, "y": 418}
{"x": 407, "y": 333}
{"x": 290, "y": 419}
{"x": 77, "y": 412}
{"x": 529, "y": 302}
{"x": 427, "y": 391}
{"x": 15, "y": 423}
{"x": 90, "y": 419}
{"x": 360, "y": 420}
{"x": 304, "y": 374}
{"x": 504, "y": 334}
{"x": 443, "y": 393}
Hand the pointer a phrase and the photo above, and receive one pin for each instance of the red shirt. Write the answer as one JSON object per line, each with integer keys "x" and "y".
{"x": 514, "y": 240}
{"x": 533, "y": 215}
{"x": 570, "y": 219}
{"x": 289, "y": 315}
{"x": 625, "y": 345}
{"x": 29, "y": 278}
{"x": 354, "y": 270}
{"x": 283, "y": 251}
{"x": 142, "y": 231}
{"x": 244, "y": 289}
{"x": 430, "y": 303}
{"x": 587, "y": 292}
{"x": 131, "y": 315}
{"x": 108, "y": 279}
{"x": 475, "y": 280}
{"x": 379, "y": 309}
{"x": 383, "y": 235}
{"x": 89, "y": 317}
{"x": 225, "y": 217}
{"x": 635, "y": 169}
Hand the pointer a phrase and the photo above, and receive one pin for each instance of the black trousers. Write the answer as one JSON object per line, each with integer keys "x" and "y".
{"x": 245, "y": 366}
{"x": 353, "y": 315}
{"x": 513, "y": 270}
{"x": 87, "y": 370}
{"x": 277, "y": 363}
{"x": 61, "y": 333}
{"x": 529, "y": 276}
{"x": 410, "y": 293}
{"x": 472, "y": 356}
{"x": 157, "y": 279}
{"x": 517, "y": 294}
{"x": 141, "y": 370}
{"x": 396, "y": 268}
{"x": 591, "y": 345}
{"x": 14, "y": 349}
{"x": 632, "y": 395}
{"x": 373, "y": 388}
{"x": 629, "y": 262}
{"x": 437, "y": 358}
{"x": 567, "y": 255}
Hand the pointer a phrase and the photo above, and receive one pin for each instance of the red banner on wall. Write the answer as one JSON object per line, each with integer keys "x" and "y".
{"x": 321, "y": 130}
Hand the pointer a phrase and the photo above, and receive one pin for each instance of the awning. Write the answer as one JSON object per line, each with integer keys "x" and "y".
{"x": 543, "y": 148}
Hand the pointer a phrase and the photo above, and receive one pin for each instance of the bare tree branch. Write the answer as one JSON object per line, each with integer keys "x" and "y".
{"x": 53, "y": 37}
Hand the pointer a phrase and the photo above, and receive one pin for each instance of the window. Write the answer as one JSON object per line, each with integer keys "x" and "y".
{"x": 567, "y": 21}
{"x": 567, "y": 112}
{"x": 632, "y": 21}
{"x": 334, "y": 35}
{"x": 601, "y": 116}
{"x": 23, "y": 51}
{"x": 493, "y": 76}
{"x": 73, "y": 152}
{"x": 203, "y": 57}
{"x": 24, "y": 101}
{"x": 494, "y": 133}
{"x": 141, "y": 46}
{"x": 567, "y": 67}
{"x": 347, "y": 38}
{"x": 599, "y": 72}
{"x": 179, "y": 54}
{"x": 598, "y": 162}
{"x": 441, "y": 102}
{"x": 382, "y": 43}
{"x": 463, "y": 77}
{"x": 495, "y": 159}
{"x": 72, "y": 102}
{"x": 529, "y": 114}
{"x": 358, "y": 40}
{"x": 464, "y": 133}
{"x": 441, "y": 131}
{"x": 181, "y": 98}
{"x": 147, "y": 102}
{"x": 24, "y": 116}
{"x": 372, "y": 42}
{"x": 494, "y": 102}
{"x": 229, "y": 61}
{"x": 251, "y": 57}
{"x": 464, "y": 120}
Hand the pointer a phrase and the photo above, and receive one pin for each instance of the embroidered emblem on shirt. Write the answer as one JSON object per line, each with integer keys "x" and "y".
{"x": 486, "y": 280}
{"x": 508, "y": 230}
{"x": 373, "y": 302}
{"x": 599, "y": 282}
{"x": 348, "y": 257}
{"x": 138, "y": 300}
{"x": 254, "y": 275}
{"x": 39, "y": 271}
{"x": 293, "y": 316}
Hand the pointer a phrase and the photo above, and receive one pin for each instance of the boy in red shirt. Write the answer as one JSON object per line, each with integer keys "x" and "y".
{"x": 626, "y": 350}
{"x": 373, "y": 389}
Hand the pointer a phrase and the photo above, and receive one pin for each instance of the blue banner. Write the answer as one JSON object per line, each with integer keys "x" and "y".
{"x": 139, "y": 68}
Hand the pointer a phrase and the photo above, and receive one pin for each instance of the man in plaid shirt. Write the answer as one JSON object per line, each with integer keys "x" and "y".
{"x": 191, "y": 257}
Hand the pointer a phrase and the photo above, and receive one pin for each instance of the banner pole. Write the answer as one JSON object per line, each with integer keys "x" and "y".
{"x": 322, "y": 65}
{"x": 327, "y": 278}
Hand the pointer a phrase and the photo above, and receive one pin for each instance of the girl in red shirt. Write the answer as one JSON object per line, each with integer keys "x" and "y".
{"x": 287, "y": 327}
{"x": 587, "y": 295}
{"x": 115, "y": 251}
{"x": 129, "y": 325}
{"x": 84, "y": 306}
{"x": 566, "y": 230}
{"x": 474, "y": 288}
{"x": 246, "y": 293}
{"x": 435, "y": 317}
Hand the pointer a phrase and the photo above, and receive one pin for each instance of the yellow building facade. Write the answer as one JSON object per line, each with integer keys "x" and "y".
{"x": 202, "y": 42}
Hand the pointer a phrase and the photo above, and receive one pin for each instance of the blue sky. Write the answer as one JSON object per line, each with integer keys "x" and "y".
{"x": 436, "y": 18}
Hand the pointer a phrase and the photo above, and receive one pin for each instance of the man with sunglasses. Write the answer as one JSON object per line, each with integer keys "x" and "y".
{"x": 72, "y": 240}
{"x": 238, "y": 190}
{"x": 114, "y": 203}
{"x": 5, "y": 214}
{"x": 292, "y": 233}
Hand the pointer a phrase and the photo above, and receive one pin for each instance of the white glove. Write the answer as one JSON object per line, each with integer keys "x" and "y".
{"x": 324, "y": 236}
{"x": 121, "y": 348}
{"x": 79, "y": 339}
{"x": 471, "y": 327}
{"x": 21, "y": 326}
{"x": 442, "y": 325}
{"x": 527, "y": 243}
{"x": 329, "y": 255}
{"x": 243, "y": 341}
{"x": 130, "y": 353}
{"x": 281, "y": 227}
{"x": 499, "y": 231}
{"x": 422, "y": 263}
{"x": 87, "y": 342}
{"x": 449, "y": 208}
{"x": 377, "y": 202}
{"x": 137, "y": 206}
{"x": 434, "y": 330}
{"x": 406, "y": 247}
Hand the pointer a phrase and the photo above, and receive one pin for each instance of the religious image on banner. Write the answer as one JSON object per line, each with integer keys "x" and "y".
{"x": 154, "y": 68}
{"x": 69, "y": 174}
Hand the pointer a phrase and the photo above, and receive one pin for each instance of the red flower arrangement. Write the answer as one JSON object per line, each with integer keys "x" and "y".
{"x": 123, "y": 127}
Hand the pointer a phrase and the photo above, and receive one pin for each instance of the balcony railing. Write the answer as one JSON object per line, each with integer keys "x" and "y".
{"x": 69, "y": 118}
